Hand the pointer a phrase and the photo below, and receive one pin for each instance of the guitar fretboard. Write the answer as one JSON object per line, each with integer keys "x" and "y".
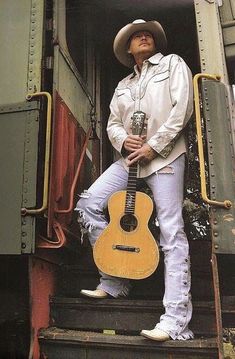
{"x": 131, "y": 190}
{"x": 138, "y": 121}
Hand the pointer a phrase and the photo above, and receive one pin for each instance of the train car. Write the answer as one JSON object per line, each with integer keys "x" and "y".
{"x": 58, "y": 74}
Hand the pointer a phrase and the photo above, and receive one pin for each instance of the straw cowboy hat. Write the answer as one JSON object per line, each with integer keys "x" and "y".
{"x": 121, "y": 40}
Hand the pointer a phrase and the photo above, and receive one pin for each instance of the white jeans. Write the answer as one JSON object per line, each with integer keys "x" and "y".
{"x": 167, "y": 188}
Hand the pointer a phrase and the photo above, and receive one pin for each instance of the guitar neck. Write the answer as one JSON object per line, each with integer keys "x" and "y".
{"x": 131, "y": 189}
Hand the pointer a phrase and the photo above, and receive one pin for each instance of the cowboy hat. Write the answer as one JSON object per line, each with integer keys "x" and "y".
{"x": 121, "y": 40}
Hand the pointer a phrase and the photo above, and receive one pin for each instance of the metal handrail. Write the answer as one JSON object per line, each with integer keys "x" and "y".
{"x": 226, "y": 203}
{"x": 25, "y": 211}
{"x": 72, "y": 191}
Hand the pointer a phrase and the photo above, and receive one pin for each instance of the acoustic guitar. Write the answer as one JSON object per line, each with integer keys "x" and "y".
{"x": 126, "y": 248}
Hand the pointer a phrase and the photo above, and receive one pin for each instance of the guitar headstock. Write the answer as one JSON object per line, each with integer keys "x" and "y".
{"x": 138, "y": 122}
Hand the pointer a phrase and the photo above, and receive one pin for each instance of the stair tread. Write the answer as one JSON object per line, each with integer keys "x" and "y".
{"x": 97, "y": 314}
{"x": 137, "y": 304}
{"x": 131, "y": 304}
{"x": 88, "y": 338}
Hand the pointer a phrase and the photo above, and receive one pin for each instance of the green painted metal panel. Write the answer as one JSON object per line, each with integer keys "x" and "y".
{"x": 221, "y": 165}
{"x": 227, "y": 14}
{"x": 21, "y": 37}
{"x": 18, "y": 167}
{"x": 69, "y": 85}
{"x": 210, "y": 40}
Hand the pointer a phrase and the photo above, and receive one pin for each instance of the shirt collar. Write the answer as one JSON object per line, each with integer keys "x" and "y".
{"x": 154, "y": 60}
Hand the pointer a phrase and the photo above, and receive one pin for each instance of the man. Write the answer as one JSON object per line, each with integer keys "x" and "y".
{"x": 161, "y": 87}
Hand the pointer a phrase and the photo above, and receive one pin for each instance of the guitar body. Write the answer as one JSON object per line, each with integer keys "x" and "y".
{"x": 123, "y": 249}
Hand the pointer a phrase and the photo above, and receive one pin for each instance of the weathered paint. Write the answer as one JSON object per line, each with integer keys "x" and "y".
{"x": 71, "y": 344}
{"x": 21, "y": 24}
{"x": 218, "y": 312}
{"x": 227, "y": 13}
{"x": 214, "y": 47}
{"x": 71, "y": 89}
{"x": 18, "y": 166}
{"x": 68, "y": 157}
{"x": 42, "y": 281}
{"x": 210, "y": 41}
{"x": 221, "y": 171}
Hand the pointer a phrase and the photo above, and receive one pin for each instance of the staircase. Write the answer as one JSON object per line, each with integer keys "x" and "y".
{"x": 84, "y": 328}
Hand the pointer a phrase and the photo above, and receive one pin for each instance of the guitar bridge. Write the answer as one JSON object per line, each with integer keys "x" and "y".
{"x": 121, "y": 247}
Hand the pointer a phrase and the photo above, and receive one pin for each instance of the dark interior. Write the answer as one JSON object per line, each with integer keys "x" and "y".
{"x": 106, "y": 18}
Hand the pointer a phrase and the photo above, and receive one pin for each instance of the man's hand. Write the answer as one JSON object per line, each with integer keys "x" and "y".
{"x": 133, "y": 143}
{"x": 143, "y": 155}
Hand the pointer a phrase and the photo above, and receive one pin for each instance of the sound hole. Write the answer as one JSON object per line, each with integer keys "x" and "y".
{"x": 128, "y": 222}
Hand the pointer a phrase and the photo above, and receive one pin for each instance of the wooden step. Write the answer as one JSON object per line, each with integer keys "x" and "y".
{"x": 123, "y": 315}
{"x": 70, "y": 344}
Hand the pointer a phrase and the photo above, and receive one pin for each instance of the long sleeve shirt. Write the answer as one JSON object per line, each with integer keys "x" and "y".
{"x": 163, "y": 90}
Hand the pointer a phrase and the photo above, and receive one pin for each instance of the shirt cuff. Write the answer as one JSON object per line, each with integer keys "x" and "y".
{"x": 118, "y": 142}
{"x": 163, "y": 143}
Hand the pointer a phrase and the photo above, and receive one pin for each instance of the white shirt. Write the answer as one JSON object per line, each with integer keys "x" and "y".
{"x": 163, "y": 90}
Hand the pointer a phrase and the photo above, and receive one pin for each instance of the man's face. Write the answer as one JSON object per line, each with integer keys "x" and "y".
{"x": 142, "y": 43}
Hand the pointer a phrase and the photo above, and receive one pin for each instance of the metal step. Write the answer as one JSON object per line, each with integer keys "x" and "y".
{"x": 123, "y": 315}
{"x": 70, "y": 344}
